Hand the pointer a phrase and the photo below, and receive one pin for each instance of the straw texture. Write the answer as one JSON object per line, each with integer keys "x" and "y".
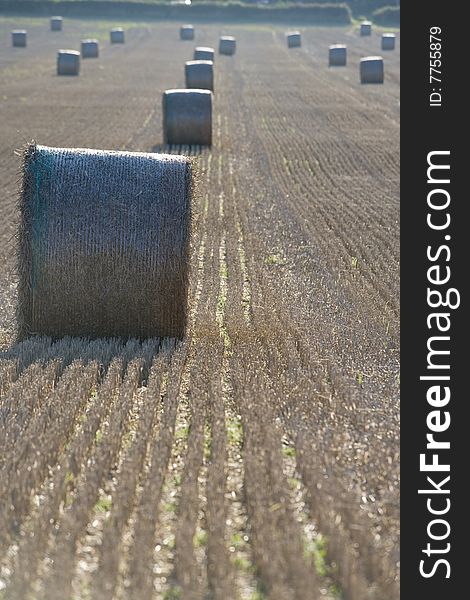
{"x": 90, "y": 48}
{"x": 338, "y": 55}
{"x": 187, "y": 117}
{"x": 103, "y": 243}
{"x": 372, "y": 69}
{"x": 227, "y": 45}
{"x": 388, "y": 41}
{"x": 294, "y": 39}
{"x": 117, "y": 35}
{"x": 56, "y": 23}
{"x": 19, "y": 38}
{"x": 187, "y": 32}
{"x": 68, "y": 62}
{"x": 199, "y": 74}
{"x": 204, "y": 53}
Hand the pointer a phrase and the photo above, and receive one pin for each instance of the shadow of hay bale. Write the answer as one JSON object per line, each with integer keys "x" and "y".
{"x": 103, "y": 243}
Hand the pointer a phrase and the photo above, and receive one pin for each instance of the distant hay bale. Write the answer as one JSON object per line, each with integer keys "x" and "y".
{"x": 103, "y": 243}
{"x": 56, "y": 23}
{"x": 187, "y": 117}
{"x": 68, "y": 62}
{"x": 366, "y": 28}
{"x": 338, "y": 55}
{"x": 388, "y": 41}
{"x": 117, "y": 35}
{"x": 187, "y": 32}
{"x": 19, "y": 38}
{"x": 372, "y": 69}
{"x": 90, "y": 48}
{"x": 227, "y": 45}
{"x": 204, "y": 53}
{"x": 199, "y": 74}
{"x": 294, "y": 39}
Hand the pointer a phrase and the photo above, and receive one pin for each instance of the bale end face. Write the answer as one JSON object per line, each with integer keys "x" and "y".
{"x": 227, "y": 45}
{"x": 204, "y": 53}
{"x": 117, "y": 36}
{"x": 338, "y": 55}
{"x": 187, "y": 117}
{"x": 294, "y": 39}
{"x": 56, "y": 23}
{"x": 103, "y": 243}
{"x": 90, "y": 48}
{"x": 372, "y": 69}
{"x": 68, "y": 62}
{"x": 19, "y": 38}
{"x": 187, "y": 32}
{"x": 199, "y": 74}
{"x": 388, "y": 41}
{"x": 366, "y": 28}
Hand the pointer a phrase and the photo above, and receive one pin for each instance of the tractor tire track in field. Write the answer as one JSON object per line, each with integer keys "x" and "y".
{"x": 258, "y": 457}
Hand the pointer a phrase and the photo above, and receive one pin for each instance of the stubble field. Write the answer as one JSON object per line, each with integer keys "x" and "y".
{"x": 258, "y": 458}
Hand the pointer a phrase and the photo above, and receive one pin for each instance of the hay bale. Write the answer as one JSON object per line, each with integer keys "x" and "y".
{"x": 90, "y": 48}
{"x": 103, "y": 243}
{"x": 19, "y": 38}
{"x": 117, "y": 35}
{"x": 294, "y": 39}
{"x": 68, "y": 62}
{"x": 366, "y": 28}
{"x": 204, "y": 53}
{"x": 388, "y": 41}
{"x": 199, "y": 74}
{"x": 187, "y": 117}
{"x": 56, "y": 23}
{"x": 227, "y": 45}
{"x": 187, "y": 32}
{"x": 338, "y": 55}
{"x": 372, "y": 69}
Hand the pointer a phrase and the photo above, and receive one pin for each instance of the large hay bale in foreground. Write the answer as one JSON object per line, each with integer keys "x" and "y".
{"x": 366, "y": 28}
{"x": 227, "y": 45}
{"x": 56, "y": 23}
{"x": 388, "y": 41}
{"x": 338, "y": 55}
{"x": 117, "y": 35}
{"x": 103, "y": 243}
{"x": 187, "y": 117}
{"x": 187, "y": 32}
{"x": 294, "y": 39}
{"x": 204, "y": 53}
{"x": 199, "y": 74}
{"x": 68, "y": 62}
{"x": 372, "y": 69}
{"x": 90, "y": 48}
{"x": 19, "y": 38}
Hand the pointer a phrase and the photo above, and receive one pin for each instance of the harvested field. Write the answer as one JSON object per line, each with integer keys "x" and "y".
{"x": 258, "y": 458}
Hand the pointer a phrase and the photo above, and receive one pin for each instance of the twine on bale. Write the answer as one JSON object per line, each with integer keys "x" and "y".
{"x": 338, "y": 54}
{"x": 68, "y": 62}
{"x": 199, "y": 74}
{"x": 227, "y": 45}
{"x": 371, "y": 69}
{"x": 204, "y": 53}
{"x": 187, "y": 32}
{"x": 19, "y": 38}
{"x": 90, "y": 48}
{"x": 294, "y": 39}
{"x": 103, "y": 243}
{"x": 187, "y": 117}
{"x": 56, "y": 23}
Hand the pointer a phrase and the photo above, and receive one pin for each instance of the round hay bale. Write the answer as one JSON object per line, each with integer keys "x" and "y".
{"x": 294, "y": 39}
{"x": 103, "y": 243}
{"x": 388, "y": 41}
{"x": 117, "y": 35}
{"x": 19, "y": 38}
{"x": 187, "y": 117}
{"x": 187, "y": 32}
{"x": 199, "y": 74}
{"x": 204, "y": 53}
{"x": 338, "y": 55}
{"x": 56, "y": 23}
{"x": 68, "y": 62}
{"x": 366, "y": 28}
{"x": 227, "y": 45}
{"x": 372, "y": 69}
{"x": 90, "y": 48}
